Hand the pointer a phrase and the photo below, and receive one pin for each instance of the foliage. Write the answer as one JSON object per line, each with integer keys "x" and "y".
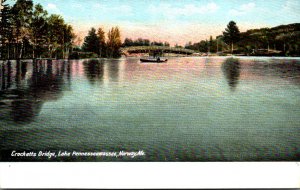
{"x": 143, "y": 42}
{"x": 82, "y": 55}
{"x": 114, "y": 42}
{"x": 102, "y": 43}
{"x": 283, "y": 38}
{"x": 231, "y": 34}
{"x": 28, "y": 32}
{"x": 201, "y": 46}
{"x": 91, "y": 42}
{"x": 155, "y": 43}
{"x": 96, "y": 43}
{"x": 39, "y": 30}
{"x": 139, "y": 42}
{"x": 280, "y": 40}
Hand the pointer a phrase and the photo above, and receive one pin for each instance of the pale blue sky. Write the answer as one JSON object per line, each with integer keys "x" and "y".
{"x": 177, "y": 21}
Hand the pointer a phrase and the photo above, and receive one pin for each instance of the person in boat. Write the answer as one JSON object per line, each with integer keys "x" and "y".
{"x": 158, "y": 59}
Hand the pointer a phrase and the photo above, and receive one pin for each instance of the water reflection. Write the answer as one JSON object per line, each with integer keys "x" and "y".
{"x": 9, "y": 73}
{"x": 23, "y": 102}
{"x": 113, "y": 69}
{"x": 23, "y": 70}
{"x": 69, "y": 70}
{"x": 288, "y": 70}
{"x": 94, "y": 70}
{"x": 3, "y": 76}
{"x": 6, "y": 72}
{"x": 231, "y": 71}
{"x": 44, "y": 83}
{"x": 155, "y": 105}
{"x": 18, "y": 73}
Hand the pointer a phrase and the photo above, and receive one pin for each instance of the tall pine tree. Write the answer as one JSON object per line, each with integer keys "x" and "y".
{"x": 231, "y": 34}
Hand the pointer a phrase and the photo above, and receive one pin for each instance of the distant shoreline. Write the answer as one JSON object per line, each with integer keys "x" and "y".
{"x": 137, "y": 57}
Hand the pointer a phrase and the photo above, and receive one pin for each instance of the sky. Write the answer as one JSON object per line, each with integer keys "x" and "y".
{"x": 175, "y": 21}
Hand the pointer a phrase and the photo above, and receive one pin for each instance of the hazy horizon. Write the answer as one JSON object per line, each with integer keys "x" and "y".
{"x": 177, "y": 22}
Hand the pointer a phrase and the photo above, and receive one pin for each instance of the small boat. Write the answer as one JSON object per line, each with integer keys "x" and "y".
{"x": 154, "y": 60}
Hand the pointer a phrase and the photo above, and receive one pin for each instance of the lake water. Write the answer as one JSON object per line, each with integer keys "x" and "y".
{"x": 188, "y": 109}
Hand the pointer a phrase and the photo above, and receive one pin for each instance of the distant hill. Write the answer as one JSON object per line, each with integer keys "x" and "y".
{"x": 277, "y": 29}
{"x": 283, "y": 39}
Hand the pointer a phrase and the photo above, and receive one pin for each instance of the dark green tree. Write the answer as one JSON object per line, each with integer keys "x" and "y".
{"x": 127, "y": 42}
{"x": 56, "y": 26}
{"x": 167, "y": 44}
{"x": 68, "y": 40}
{"x": 60, "y": 37}
{"x": 139, "y": 42}
{"x": 188, "y": 45}
{"x": 203, "y": 46}
{"x": 155, "y": 43}
{"x": 39, "y": 30}
{"x": 5, "y": 29}
{"x": 27, "y": 31}
{"x": 231, "y": 34}
{"x": 91, "y": 42}
{"x": 21, "y": 19}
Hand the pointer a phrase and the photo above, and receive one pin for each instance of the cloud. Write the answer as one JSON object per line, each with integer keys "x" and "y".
{"x": 53, "y": 8}
{"x": 243, "y": 9}
{"x": 170, "y": 11}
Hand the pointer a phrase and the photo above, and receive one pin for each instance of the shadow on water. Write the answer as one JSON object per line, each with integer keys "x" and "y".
{"x": 289, "y": 71}
{"x": 113, "y": 70}
{"x": 18, "y": 74}
{"x": 23, "y": 102}
{"x": 285, "y": 69}
{"x": 6, "y": 75}
{"x": 3, "y": 83}
{"x": 94, "y": 70}
{"x": 231, "y": 71}
{"x": 9, "y": 73}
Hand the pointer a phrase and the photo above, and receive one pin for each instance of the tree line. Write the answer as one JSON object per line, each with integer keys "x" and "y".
{"x": 143, "y": 42}
{"x": 100, "y": 46}
{"x": 28, "y": 31}
{"x": 283, "y": 39}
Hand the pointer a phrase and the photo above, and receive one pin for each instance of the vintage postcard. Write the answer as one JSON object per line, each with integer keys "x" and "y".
{"x": 149, "y": 81}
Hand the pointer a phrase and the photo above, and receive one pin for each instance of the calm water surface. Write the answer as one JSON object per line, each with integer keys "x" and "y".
{"x": 188, "y": 109}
